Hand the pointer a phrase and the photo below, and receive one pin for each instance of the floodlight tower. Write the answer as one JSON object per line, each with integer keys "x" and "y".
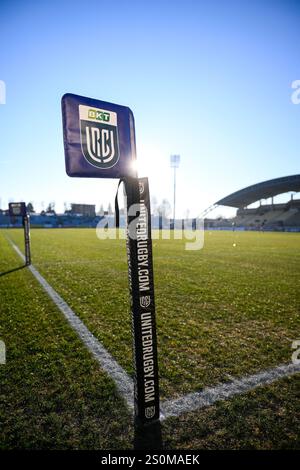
{"x": 174, "y": 163}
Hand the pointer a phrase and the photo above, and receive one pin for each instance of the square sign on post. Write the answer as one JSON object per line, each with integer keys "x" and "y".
{"x": 99, "y": 138}
{"x": 17, "y": 209}
{"x": 99, "y": 142}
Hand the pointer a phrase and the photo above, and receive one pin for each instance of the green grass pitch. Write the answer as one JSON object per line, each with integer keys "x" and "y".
{"x": 227, "y": 310}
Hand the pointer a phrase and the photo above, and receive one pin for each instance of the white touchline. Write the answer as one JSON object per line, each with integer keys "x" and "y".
{"x": 124, "y": 383}
{"x": 211, "y": 395}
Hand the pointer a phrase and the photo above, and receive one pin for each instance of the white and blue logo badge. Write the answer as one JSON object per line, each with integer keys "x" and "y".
{"x": 99, "y": 136}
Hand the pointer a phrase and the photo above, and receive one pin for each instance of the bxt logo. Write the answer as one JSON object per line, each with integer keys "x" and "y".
{"x": 99, "y": 136}
{"x": 99, "y": 115}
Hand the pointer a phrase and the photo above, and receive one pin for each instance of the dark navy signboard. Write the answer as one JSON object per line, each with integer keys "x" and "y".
{"x": 99, "y": 138}
{"x": 17, "y": 209}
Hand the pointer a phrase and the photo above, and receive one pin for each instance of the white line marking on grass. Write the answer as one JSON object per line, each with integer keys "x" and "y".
{"x": 123, "y": 382}
{"x": 209, "y": 396}
{"x": 169, "y": 408}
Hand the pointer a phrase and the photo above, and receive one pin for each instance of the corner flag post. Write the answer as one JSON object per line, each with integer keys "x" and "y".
{"x": 141, "y": 287}
{"x": 26, "y": 224}
{"x": 18, "y": 209}
{"x": 99, "y": 141}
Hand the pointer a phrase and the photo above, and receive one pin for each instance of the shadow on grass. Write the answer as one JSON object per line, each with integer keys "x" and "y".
{"x": 13, "y": 270}
{"x": 148, "y": 437}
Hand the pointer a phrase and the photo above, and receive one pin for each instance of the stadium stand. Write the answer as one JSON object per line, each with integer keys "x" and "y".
{"x": 266, "y": 216}
{"x": 52, "y": 221}
{"x": 284, "y": 217}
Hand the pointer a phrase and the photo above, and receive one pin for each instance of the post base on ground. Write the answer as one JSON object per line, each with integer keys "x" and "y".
{"x": 147, "y": 436}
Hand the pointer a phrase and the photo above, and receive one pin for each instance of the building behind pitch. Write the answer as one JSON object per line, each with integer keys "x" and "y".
{"x": 88, "y": 210}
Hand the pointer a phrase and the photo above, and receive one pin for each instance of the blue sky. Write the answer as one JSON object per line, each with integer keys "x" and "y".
{"x": 210, "y": 80}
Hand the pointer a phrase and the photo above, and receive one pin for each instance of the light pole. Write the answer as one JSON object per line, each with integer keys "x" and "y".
{"x": 174, "y": 163}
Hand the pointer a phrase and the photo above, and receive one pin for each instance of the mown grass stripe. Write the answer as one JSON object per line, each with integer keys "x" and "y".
{"x": 169, "y": 408}
{"x": 122, "y": 380}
